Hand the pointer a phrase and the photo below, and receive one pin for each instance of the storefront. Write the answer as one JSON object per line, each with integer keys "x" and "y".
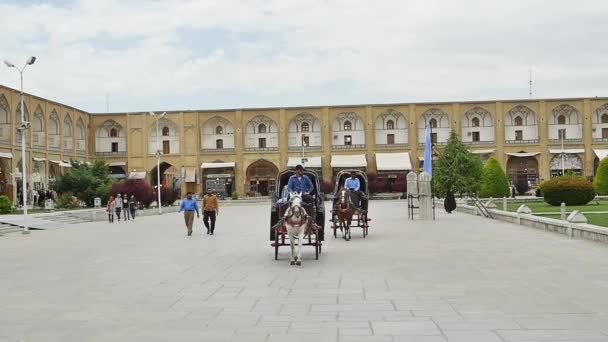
{"x": 392, "y": 169}
{"x": 218, "y": 177}
{"x": 313, "y": 163}
{"x": 348, "y": 162}
{"x": 39, "y": 173}
{"x": 117, "y": 170}
{"x": 261, "y": 178}
{"x": 566, "y": 160}
{"x": 523, "y": 166}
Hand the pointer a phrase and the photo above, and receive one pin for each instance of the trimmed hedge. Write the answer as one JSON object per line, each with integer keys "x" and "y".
{"x": 572, "y": 190}
{"x": 600, "y": 182}
{"x": 5, "y": 205}
{"x": 494, "y": 182}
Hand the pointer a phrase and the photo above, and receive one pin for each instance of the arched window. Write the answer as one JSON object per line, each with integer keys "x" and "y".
{"x": 561, "y": 120}
{"x": 348, "y": 126}
{"x": 165, "y": 131}
{"x": 219, "y": 130}
{"x": 261, "y": 128}
{"x": 390, "y": 124}
{"x": 519, "y": 121}
{"x": 305, "y": 127}
{"x": 433, "y": 123}
{"x": 605, "y": 118}
{"x": 219, "y": 144}
{"x": 113, "y": 133}
{"x": 475, "y": 122}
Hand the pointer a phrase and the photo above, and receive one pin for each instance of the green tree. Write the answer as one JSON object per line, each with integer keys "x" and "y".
{"x": 456, "y": 169}
{"x": 600, "y": 182}
{"x": 494, "y": 182}
{"x": 86, "y": 181}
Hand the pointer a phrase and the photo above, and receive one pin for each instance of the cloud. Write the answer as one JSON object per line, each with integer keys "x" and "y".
{"x": 226, "y": 54}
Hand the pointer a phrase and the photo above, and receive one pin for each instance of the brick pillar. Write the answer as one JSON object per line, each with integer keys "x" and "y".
{"x": 370, "y": 139}
{"x": 499, "y": 135}
{"x": 412, "y": 133}
{"x": 327, "y": 141}
{"x": 283, "y": 140}
{"x": 587, "y": 128}
{"x": 240, "y": 167}
{"x": 544, "y": 159}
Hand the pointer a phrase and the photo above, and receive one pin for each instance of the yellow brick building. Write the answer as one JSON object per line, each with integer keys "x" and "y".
{"x": 243, "y": 149}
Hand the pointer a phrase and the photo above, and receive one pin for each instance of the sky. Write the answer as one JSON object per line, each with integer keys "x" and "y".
{"x": 206, "y": 54}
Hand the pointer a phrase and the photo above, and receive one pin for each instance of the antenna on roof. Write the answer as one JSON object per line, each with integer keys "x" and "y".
{"x": 530, "y": 81}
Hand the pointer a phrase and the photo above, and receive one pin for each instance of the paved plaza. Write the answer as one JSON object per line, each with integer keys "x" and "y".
{"x": 460, "y": 278}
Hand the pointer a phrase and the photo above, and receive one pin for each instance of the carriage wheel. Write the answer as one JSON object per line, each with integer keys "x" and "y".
{"x": 317, "y": 246}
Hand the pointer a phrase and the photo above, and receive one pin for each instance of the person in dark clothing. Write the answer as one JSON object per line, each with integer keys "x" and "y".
{"x": 132, "y": 206}
{"x": 449, "y": 203}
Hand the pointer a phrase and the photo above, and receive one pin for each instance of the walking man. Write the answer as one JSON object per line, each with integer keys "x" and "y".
{"x": 118, "y": 206}
{"x": 210, "y": 211}
{"x": 125, "y": 207}
{"x": 189, "y": 206}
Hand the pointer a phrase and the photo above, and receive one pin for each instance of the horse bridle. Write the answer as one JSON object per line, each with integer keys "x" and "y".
{"x": 300, "y": 209}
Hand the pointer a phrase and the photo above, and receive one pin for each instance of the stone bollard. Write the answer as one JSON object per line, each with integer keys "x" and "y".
{"x": 426, "y": 198}
{"x": 412, "y": 183}
{"x": 523, "y": 209}
{"x": 504, "y": 204}
{"x": 562, "y": 211}
{"x": 576, "y": 217}
{"x": 490, "y": 204}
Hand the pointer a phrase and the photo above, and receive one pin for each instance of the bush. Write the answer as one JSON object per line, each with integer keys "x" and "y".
{"x": 377, "y": 185}
{"x": 235, "y": 195}
{"x": 142, "y": 191}
{"x": 522, "y": 186}
{"x": 67, "y": 201}
{"x": 327, "y": 187}
{"x": 400, "y": 185}
{"x": 600, "y": 182}
{"x": 168, "y": 195}
{"x": 572, "y": 190}
{"x": 371, "y": 176}
{"x": 494, "y": 182}
{"x": 5, "y": 205}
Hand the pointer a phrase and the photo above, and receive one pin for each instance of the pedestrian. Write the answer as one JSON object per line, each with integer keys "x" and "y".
{"x": 132, "y": 206}
{"x": 41, "y": 198}
{"x": 110, "y": 209}
{"x": 34, "y": 197}
{"x": 210, "y": 211}
{"x": 189, "y": 206}
{"x": 125, "y": 207}
{"x": 118, "y": 206}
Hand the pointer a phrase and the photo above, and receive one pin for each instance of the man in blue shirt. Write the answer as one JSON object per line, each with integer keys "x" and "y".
{"x": 352, "y": 183}
{"x": 299, "y": 182}
{"x": 189, "y": 206}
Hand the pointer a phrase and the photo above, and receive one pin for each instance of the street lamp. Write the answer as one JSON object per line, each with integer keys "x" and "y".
{"x": 22, "y": 129}
{"x": 563, "y": 151}
{"x": 158, "y": 152}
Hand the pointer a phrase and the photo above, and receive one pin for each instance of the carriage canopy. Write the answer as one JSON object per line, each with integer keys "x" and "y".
{"x": 344, "y": 174}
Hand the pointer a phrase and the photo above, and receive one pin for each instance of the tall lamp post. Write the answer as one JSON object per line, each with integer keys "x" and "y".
{"x": 22, "y": 129}
{"x": 563, "y": 151}
{"x": 158, "y": 152}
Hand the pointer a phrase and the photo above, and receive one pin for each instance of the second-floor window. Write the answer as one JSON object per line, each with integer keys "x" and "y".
{"x": 114, "y": 147}
{"x": 605, "y": 118}
{"x": 219, "y": 130}
{"x": 561, "y": 133}
{"x": 475, "y": 136}
{"x": 561, "y": 120}
{"x": 262, "y": 142}
{"x": 348, "y": 126}
{"x": 166, "y": 147}
{"x": 113, "y": 133}
{"x": 433, "y": 138}
{"x": 390, "y": 124}
{"x": 348, "y": 140}
{"x": 305, "y": 127}
{"x": 219, "y": 144}
{"x": 519, "y": 121}
{"x": 165, "y": 131}
{"x": 475, "y": 122}
{"x": 261, "y": 128}
{"x": 390, "y": 139}
{"x": 604, "y": 133}
{"x": 305, "y": 140}
{"x": 433, "y": 123}
{"x": 519, "y": 135}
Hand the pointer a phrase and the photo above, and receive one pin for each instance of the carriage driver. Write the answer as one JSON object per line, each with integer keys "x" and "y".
{"x": 299, "y": 182}
{"x": 353, "y": 185}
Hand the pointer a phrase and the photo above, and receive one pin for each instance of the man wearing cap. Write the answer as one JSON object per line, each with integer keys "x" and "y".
{"x": 299, "y": 182}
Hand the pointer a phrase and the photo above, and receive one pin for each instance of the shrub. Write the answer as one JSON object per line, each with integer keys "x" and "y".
{"x": 235, "y": 195}
{"x": 572, "y": 190}
{"x": 494, "y": 182}
{"x": 327, "y": 187}
{"x": 600, "y": 182}
{"x": 377, "y": 185}
{"x": 67, "y": 201}
{"x": 371, "y": 176}
{"x": 168, "y": 195}
{"x": 522, "y": 186}
{"x": 142, "y": 191}
{"x": 5, "y": 205}
{"x": 400, "y": 185}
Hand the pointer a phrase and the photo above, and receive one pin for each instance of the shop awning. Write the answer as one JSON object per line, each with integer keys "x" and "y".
{"x": 61, "y": 163}
{"x": 353, "y": 160}
{"x": 312, "y": 161}
{"x": 567, "y": 151}
{"x": 118, "y": 164}
{"x": 190, "y": 175}
{"x": 393, "y": 161}
{"x": 117, "y": 175}
{"x": 137, "y": 175}
{"x": 38, "y": 159}
{"x": 523, "y": 154}
{"x": 483, "y": 151}
{"x": 7, "y": 155}
{"x": 601, "y": 154}
{"x": 216, "y": 165}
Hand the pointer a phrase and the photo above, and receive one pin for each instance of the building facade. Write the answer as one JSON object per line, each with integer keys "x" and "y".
{"x": 243, "y": 149}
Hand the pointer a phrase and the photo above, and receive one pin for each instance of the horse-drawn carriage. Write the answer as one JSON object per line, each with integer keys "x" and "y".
{"x": 350, "y": 207}
{"x": 312, "y": 223}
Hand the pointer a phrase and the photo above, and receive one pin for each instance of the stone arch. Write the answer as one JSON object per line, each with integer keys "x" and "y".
{"x": 38, "y": 123}
{"x": 478, "y": 115}
{"x": 567, "y": 113}
{"x": 5, "y": 109}
{"x": 599, "y": 113}
{"x": 522, "y": 168}
{"x": 105, "y": 129}
{"x": 398, "y": 119}
{"x": 54, "y": 128}
{"x": 261, "y": 176}
{"x": 527, "y": 115}
{"x": 342, "y": 121}
{"x": 67, "y": 126}
{"x": 18, "y": 113}
{"x": 80, "y": 130}
{"x": 304, "y": 119}
{"x": 441, "y": 118}
{"x": 162, "y": 123}
{"x": 217, "y": 129}
{"x": 256, "y": 122}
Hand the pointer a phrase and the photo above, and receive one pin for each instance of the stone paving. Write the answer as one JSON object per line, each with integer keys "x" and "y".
{"x": 460, "y": 278}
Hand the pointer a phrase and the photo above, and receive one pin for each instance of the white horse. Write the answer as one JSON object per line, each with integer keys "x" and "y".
{"x": 296, "y": 220}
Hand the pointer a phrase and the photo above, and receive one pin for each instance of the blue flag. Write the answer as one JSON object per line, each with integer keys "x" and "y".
{"x": 428, "y": 152}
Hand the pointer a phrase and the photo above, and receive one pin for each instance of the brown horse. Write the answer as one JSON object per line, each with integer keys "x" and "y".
{"x": 344, "y": 210}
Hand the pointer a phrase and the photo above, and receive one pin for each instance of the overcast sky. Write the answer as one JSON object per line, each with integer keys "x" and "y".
{"x": 204, "y": 54}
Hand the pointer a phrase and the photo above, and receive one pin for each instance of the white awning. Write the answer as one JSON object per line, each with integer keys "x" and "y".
{"x": 601, "y": 154}
{"x": 137, "y": 175}
{"x": 523, "y": 154}
{"x": 570, "y": 151}
{"x": 393, "y": 161}
{"x": 38, "y": 159}
{"x": 8, "y": 155}
{"x": 190, "y": 175}
{"x": 483, "y": 151}
{"x": 353, "y": 160}
{"x": 216, "y": 165}
{"x": 118, "y": 164}
{"x": 64, "y": 164}
{"x": 312, "y": 161}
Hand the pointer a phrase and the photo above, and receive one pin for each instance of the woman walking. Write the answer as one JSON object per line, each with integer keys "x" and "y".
{"x": 110, "y": 209}
{"x": 132, "y": 206}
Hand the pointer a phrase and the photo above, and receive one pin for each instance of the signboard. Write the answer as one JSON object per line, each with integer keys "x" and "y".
{"x": 97, "y": 202}
{"x": 218, "y": 175}
{"x": 49, "y": 204}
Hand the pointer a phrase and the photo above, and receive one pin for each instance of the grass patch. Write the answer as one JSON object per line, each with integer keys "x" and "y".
{"x": 543, "y": 207}
{"x": 596, "y": 219}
